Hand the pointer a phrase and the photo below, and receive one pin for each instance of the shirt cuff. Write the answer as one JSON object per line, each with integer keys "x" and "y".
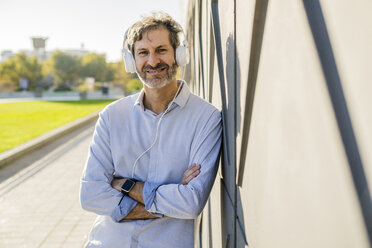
{"x": 148, "y": 194}
{"x": 124, "y": 207}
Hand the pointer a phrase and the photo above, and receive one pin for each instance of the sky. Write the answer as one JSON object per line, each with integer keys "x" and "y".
{"x": 97, "y": 24}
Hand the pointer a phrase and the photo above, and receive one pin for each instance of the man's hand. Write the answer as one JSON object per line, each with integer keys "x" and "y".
{"x": 139, "y": 213}
{"x": 192, "y": 172}
{"x": 116, "y": 183}
{"x": 135, "y": 193}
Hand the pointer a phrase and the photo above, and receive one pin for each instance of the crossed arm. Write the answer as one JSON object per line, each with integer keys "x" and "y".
{"x": 139, "y": 211}
{"x": 99, "y": 191}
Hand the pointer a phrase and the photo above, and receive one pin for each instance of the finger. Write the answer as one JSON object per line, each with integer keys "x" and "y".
{"x": 187, "y": 179}
{"x": 192, "y": 176}
{"x": 190, "y": 173}
{"x": 191, "y": 170}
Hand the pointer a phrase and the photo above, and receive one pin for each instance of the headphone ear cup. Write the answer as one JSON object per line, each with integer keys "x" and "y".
{"x": 181, "y": 56}
{"x": 129, "y": 63}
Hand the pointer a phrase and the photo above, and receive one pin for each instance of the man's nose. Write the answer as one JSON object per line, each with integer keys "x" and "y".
{"x": 153, "y": 60}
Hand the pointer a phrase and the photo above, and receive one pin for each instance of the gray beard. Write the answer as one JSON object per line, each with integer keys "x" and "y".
{"x": 159, "y": 82}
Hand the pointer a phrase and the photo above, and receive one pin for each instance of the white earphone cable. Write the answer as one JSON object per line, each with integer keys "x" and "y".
{"x": 157, "y": 129}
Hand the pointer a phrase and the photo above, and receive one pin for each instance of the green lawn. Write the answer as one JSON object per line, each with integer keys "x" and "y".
{"x": 23, "y": 121}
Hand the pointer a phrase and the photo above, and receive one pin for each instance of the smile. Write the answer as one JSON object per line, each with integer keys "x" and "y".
{"x": 159, "y": 68}
{"x": 155, "y": 71}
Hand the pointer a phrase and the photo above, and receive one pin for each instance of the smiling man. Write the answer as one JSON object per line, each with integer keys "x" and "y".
{"x": 153, "y": 157}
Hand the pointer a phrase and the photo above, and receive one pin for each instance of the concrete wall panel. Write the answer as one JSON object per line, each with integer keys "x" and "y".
{"x": 286, "y": 177}
{"x": 297, "y": 179}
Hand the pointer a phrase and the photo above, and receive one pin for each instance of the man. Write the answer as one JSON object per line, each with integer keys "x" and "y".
{"x": 153, "y": 158}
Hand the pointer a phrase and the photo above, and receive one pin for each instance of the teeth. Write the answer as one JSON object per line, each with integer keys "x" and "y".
{"x": 157, "y": 70}
{"x": 152, "y": 71}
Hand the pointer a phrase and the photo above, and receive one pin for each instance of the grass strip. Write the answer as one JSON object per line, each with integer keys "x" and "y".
{"x": 23, "y": 121}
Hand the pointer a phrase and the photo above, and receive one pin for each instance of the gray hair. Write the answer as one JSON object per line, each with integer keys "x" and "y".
{"x": 155, "y": 21}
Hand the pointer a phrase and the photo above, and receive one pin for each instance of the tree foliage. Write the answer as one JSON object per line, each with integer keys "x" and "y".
{"x": 110, "y": 72}
{"x": 120, "y": 75}
{"x": 94, "y": 65}
{"x": 19, "y": 67}
{"x": 63, "y": 71}
{"x": 134, "y": 85}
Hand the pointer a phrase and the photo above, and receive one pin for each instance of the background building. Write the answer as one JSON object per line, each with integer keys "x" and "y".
{"x": 293, "y": 81}
{"x": 39, "y": 50}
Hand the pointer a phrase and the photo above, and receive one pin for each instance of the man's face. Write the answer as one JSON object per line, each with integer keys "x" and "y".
{"x": 154, "y": 56}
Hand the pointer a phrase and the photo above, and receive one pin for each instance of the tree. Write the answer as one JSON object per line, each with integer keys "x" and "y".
{"x": 48, "y": 76}
{"x": 19, "y": 67}
{"x": 110, "y": 72}
{"x": 94, "y": 65}
{"x": 8, "y": 73}
{"x": 8, "y": 76}
{"x": 66, "y": 69}
{"x": 120, "y": 75}
{"x": 61, "y": 69}
{"x": 134, "y": 85}
{"x": 30, "y": 68}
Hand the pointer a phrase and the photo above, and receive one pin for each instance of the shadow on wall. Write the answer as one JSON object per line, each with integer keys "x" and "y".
{"x": 255, "y": 54}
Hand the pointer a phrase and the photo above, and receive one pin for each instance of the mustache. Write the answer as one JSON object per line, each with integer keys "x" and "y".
{"x": 158, "y": 66}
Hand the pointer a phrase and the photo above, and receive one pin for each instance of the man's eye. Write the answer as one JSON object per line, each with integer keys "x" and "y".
{"x": 142, "y": 53}
{"x": 162, "y": 50}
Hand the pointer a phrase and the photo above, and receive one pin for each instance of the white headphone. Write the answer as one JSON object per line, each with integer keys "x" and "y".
{"x": 182, "y": 56}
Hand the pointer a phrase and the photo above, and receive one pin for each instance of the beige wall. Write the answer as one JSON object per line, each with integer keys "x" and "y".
{"x": 285, "y": 178}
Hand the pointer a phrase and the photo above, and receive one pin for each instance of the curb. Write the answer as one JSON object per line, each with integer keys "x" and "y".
{"x": 21, "y": 150}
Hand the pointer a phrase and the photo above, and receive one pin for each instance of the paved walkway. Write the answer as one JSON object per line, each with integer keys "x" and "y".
{"x": 39, "y": 205}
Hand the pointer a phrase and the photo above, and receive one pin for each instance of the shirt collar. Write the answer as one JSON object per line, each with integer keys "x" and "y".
{"x": 139, "y": 100}
{"x": 184, "y": 94}
{"x": 180, "y": 100}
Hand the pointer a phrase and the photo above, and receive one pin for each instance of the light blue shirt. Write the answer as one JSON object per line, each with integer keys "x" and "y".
{"x": 190, "y": 132}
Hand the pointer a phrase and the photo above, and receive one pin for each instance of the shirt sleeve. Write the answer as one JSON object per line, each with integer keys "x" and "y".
{"x": 96, "y": 193}
{"x": 187, "y": 201}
